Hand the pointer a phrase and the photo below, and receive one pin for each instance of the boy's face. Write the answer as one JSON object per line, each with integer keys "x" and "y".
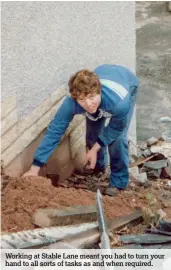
{"x": 90, "y": 103}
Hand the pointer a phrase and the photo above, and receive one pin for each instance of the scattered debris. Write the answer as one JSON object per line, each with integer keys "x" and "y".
{"x": 158, "y": 164}
{"x": 141, "y": 161}
{"x": 4, "y": 181}
{"x": 154, "y": 174}
{"x": 145, "y": 239}
{"x": 166, "y": 171}
{"x": 155, "y": 149}
{"x": 151, "y": 141}
{"x": 166, "y": 136}
{"x": 165, "y": 225}
{"x": 2, "y": 168}
{"x": 164, "y": 119}
{"x": 142, "y": 145}
{"x": 147, "y": 153}
{"x": 161, "y": 213}
{"x": 143, "y": 177}
{"x": 134, "y": 171}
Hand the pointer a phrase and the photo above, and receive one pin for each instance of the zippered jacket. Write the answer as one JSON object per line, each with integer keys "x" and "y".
{"x": 118, "y": 84}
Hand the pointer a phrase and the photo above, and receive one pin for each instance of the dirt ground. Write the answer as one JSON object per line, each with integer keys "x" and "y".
{"x": 22, "y": 196}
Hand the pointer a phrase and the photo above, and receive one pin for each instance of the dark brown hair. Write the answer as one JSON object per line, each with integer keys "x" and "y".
{"x": 84, "y": 82}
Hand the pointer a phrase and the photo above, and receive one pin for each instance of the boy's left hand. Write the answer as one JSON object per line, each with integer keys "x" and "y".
{"x": 91, "y": 157}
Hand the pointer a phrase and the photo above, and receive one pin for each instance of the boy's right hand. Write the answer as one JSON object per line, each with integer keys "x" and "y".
{"x": 34, "y": 171}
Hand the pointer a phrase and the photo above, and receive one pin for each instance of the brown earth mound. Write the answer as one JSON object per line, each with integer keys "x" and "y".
{"x": 22, "y": 196}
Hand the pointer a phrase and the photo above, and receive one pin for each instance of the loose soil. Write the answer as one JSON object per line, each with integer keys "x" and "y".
{"x": 22, "y": 196}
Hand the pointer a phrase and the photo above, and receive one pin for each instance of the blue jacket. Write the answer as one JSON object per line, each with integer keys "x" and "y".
{"x": 117, "y": 85}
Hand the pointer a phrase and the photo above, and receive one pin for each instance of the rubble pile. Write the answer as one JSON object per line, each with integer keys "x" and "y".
{"x": 90, "y": 182}
{"x": 153, "y": 162}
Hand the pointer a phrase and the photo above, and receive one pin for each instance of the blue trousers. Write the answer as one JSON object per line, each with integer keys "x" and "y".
{"x": 118, "y": 149}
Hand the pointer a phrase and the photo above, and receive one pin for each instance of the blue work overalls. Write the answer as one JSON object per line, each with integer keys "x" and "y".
{"x": 117, "y": 149}
{"x": 118, "y": 94}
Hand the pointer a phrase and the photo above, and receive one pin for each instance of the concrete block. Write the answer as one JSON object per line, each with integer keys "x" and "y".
{"x": 15, "y": 168}
{"x": 28, "y": 152}
{"x": 77, "y": 120}
{"x": 18, "y": 146}
{"x": 79, "y": 157}
{"x": 34, "y": 116}
{"x": 152, "y": 141}
{"x": 155, "y": 149}
{"x": 8, "y": 138}
{"x": 11, "y": 152}
{"x": 57, "y": 95}
{"x": 80, "y": 145}
{"x": 28, "y": 136}
{"x": 143, "y": 145}
{"x": 60, "y": 161}
{"x": 43, "y": 122}
{"x": 164, "y": 149}
{"x": 9, "y": 121}
{"x": 8, "y": 105}
{"x": 147, "y": 153}
{"x": 69, "y": 215}
{"x": 76, "y": 133}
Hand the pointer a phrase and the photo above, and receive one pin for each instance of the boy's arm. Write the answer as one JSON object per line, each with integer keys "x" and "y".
{"x": 53, "y": 135}
{"x": 110, "y": 133}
